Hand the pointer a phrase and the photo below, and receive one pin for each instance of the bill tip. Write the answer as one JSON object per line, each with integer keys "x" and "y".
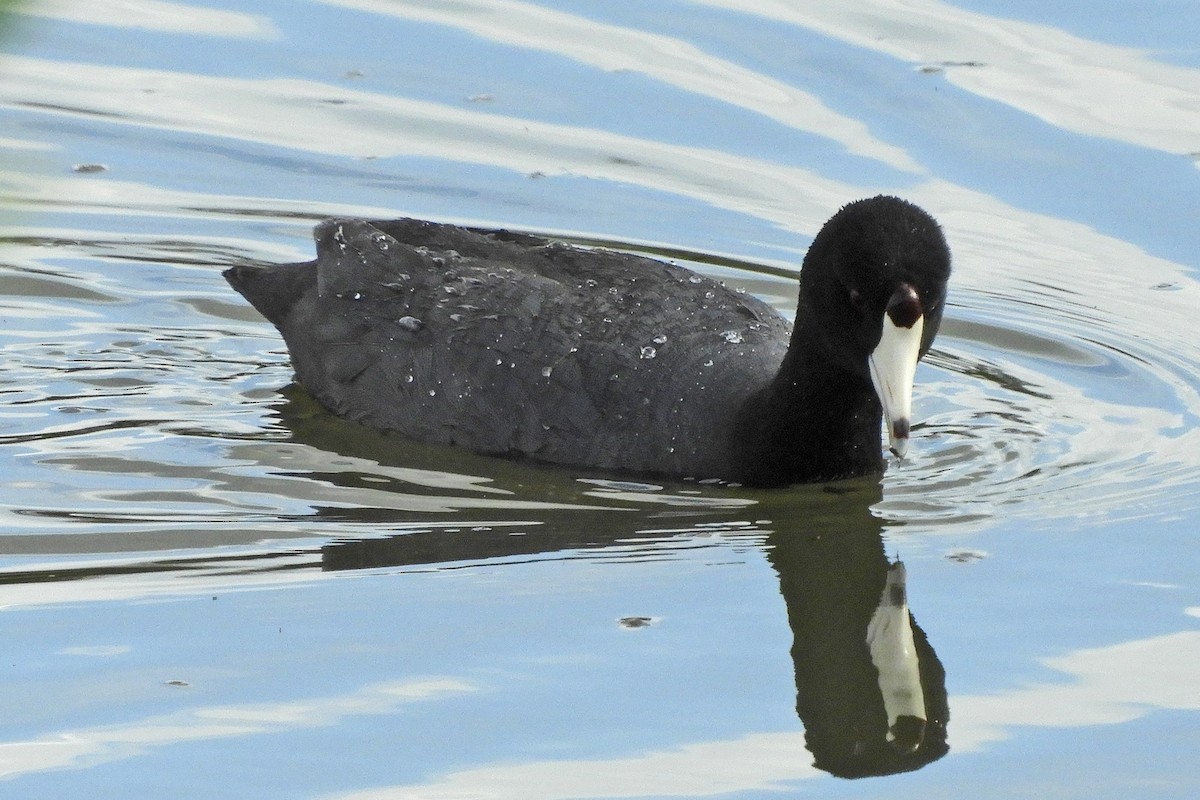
{"x": 898, "y": 437}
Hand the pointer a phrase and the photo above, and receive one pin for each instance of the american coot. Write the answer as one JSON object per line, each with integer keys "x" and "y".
{"x": 509, "y": 344}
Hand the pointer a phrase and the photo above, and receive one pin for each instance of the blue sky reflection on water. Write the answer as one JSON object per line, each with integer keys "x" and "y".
{"x": 210, "y": 589}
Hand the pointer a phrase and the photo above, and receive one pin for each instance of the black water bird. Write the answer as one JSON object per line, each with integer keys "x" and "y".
{"x": 510, "y": 344}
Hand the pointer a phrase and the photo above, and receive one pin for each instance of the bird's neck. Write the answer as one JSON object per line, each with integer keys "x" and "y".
{"x": 815, "y": 421}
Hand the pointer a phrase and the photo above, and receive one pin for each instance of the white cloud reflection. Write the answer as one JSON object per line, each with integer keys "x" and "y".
{"x": 1072, "y": 83}
{"x": 1112, "y": 685}
{"x": 336, "y": 120}
{"x": 86, "y": 747}
{"x": 155, "y": 15}
{"x": 992, "y": 240}
{"x": 756, "y": 762}
{"x": 1107, "y": 685}
{"x": 672, "y": 61}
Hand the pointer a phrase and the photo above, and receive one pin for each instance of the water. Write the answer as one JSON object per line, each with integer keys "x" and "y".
{"x": 211, "y": 588}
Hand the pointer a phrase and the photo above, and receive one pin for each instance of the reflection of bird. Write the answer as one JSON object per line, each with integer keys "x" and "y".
{"x": 870, "y": 690}
{"x": 509, "y": 344}
{"x": 869, "y": 687}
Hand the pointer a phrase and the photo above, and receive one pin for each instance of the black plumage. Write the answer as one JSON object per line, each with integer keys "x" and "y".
{"x": 510, "y": 344}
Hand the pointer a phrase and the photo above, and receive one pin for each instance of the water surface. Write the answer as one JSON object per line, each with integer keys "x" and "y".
{"x": 211, "y": 588}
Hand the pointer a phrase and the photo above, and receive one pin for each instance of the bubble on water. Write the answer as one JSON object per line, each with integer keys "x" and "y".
{"x": 733, "y": 337}
{"x": 648, "y": 352}
{"x": 411, "y": 324}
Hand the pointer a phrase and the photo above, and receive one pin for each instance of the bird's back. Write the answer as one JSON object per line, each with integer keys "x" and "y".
{"x": 509, "y": 344}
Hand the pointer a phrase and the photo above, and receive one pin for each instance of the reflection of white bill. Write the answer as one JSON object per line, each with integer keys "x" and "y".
{"x": 890, "y": 640}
